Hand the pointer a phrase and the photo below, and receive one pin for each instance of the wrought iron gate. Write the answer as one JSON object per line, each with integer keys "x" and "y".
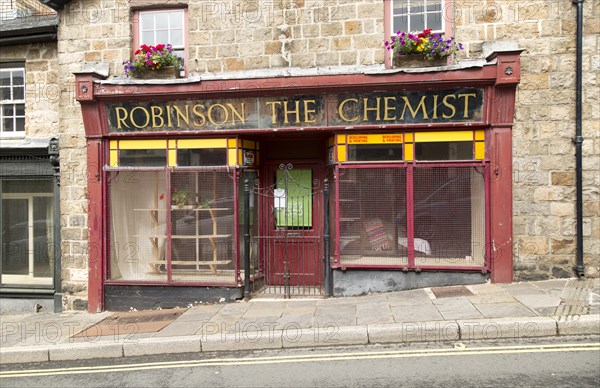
{"x": 289, "y": 239}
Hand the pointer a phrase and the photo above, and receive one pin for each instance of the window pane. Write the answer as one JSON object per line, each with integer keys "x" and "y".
{"x": 416, "y": 7}
{"x": 148, "y": 37}
{"x": 15, "y": 237}
{"x": 374, "y": 152}
{"x": 202, "y": 157}
{"x": 162, "y": 20}
{"x": 43, "y": 236}
{"x": 373, "y": 224}
{"x": 433, "y": 5}
{"x": 8, "y": 110}
{"x": 4, "y": 78}
{"x": 147, "y": 21}
{"x": 417, "y": 22}
{"x": 5, "y": 93}
{"x": 401, "y": 23}
{"x": 454, "y": 150}
{"x": 18, "y": 77}
{"x": 19, "y": 93}
{"x": 434, "y": 21}
{"x": 162, "y": 36}
{"x": 20, "y": 109}
{"x": 293, "y": 198}
{"x": 20, "y": 125}
{"x": 177, "y": 37}
{"x": 176, "y": 19}
{"x": 7, "y": 125}
{"x": 27, "y": 186}
{"x": 143, "y": 158}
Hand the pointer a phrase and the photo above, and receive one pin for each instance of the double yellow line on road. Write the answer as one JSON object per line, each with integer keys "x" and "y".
{"x": 307, "y": 358}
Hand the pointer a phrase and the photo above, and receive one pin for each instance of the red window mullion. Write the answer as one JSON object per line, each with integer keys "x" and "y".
{"x": 410, "y": 230}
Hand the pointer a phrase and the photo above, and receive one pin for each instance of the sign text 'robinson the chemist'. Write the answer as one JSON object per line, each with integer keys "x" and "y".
{"x": 402, "y": 107}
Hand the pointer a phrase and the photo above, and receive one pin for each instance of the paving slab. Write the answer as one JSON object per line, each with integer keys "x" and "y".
{"x": 180, "y": 328}
{"x": 503, "y": 310}
{"x": 456, "y": 308}
{"x": 409, "y": 298}
{"x": 426, "y": 312}
{"x": 500, "y": 297}
{"x": 538, "y": 300}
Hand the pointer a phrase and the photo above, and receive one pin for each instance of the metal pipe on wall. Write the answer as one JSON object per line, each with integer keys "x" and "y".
{"x": 578, "y": 140}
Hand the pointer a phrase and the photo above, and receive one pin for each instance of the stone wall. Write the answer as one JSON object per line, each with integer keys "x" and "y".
{"x": 543, "y": 151}
{"x": 230, "y": 36}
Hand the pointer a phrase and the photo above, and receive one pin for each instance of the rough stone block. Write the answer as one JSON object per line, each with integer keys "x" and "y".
{"x": 147, "y": 346}
{"x": 579, "y": 325}
{"x": 242, "y": 340}
{"x": 327, "y": 335}
{"x": 77, "y": 351}
{"x": 23, "y": 354}
{"x": 413, "y": 332}
{"x": 515, "y": 328}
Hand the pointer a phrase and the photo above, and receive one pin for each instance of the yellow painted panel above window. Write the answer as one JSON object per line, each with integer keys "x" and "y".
{"x": 172, "y": 162}
{"x": 479, "y": 135}
{"x": 408, "y": 151}
{"x": 142, "y": 144}
{"x": 479, "y": 150}
{"x": 202, "y": 143}
{"x": 432, "y": 137}
{"x": 341, "y": 153}
{"x": 232, "y": 157}
{"x": 341, "y": 139}
{"x": 114, "y": 158}
{"x": 232, "y": 143}
{"x": 391, "y": 138}
{"x": 172, "y": 143}
{"x": 408, "y": 137}
{"x": 114, "y": 144}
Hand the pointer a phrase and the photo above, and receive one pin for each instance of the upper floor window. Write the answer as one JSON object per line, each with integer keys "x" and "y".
{"x": 12, "y": 99}
{"x": 417, "y": 15}
{"x": 162, "y": 26}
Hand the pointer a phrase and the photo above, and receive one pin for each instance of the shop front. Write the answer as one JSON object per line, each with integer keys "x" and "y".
{"x": 357, "y": 182}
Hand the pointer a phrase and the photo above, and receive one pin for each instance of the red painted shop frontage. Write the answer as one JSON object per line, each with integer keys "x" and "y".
{"x": 327, "y": 185}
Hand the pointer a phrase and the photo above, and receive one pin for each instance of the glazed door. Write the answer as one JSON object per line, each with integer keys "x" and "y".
{"x": 293, "y": 249}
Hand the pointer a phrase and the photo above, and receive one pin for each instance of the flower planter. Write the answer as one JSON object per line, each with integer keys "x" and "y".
{"x": 415, "y": 61}
{"x": 166, "y": 72}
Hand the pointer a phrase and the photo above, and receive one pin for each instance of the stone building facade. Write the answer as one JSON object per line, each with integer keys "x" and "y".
{"x": 233, "y": 39}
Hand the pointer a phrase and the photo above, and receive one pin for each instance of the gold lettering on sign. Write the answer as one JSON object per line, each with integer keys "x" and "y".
{"x": 157, "y": 120}
{"x": 466, "y": 98}
{"x": 366, "y": 108}
{"x": 387, "y": 108}
{"x": 200, "y": 120}
{"x": 121, "y": 114}
{"x": 435, "y": 106}
{"x": 182, "y": 116}
{"x": 132, "y": 117}
{"x": 210, "y": 114}
{"x": 341, "y": 110}
{"x": 307, "y": 111}
{"x": 413, "y": 112}
{"x": 448, "y": 105}
{"x": 273, "y": 110}
{"x": 235, "y": 112}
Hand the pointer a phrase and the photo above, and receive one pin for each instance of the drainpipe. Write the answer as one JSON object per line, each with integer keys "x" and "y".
{"x": 579, "y": 269}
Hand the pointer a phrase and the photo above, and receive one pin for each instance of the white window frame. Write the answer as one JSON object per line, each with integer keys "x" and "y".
{"x": 14, "y": 102}
{"x": 441, "y": 14}
{"x": 28, "y": 279}
{"x": 179, "y": 49}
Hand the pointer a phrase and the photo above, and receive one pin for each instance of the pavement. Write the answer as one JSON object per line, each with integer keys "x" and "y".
{"x": 455, "y": 314}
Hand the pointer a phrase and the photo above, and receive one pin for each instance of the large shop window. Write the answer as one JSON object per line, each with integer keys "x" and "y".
{"x": 12, "y": 99}
{"x": 426, "y": 210}
{"x": 172, "y": 211}
{"x": 27, "y": 232}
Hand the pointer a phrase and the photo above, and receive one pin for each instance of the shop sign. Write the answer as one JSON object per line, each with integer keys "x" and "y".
{"x": 358, "y": 109}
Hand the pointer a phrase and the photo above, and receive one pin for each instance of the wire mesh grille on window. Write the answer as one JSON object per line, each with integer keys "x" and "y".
{"x": 372, "y": 229}
{"x": 449, "y": 216}
{"x": 137, "y": 215}
{"x": 202, "y": 227}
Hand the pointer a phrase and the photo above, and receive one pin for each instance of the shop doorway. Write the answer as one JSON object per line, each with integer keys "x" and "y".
{"x": 291, "y": 238}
